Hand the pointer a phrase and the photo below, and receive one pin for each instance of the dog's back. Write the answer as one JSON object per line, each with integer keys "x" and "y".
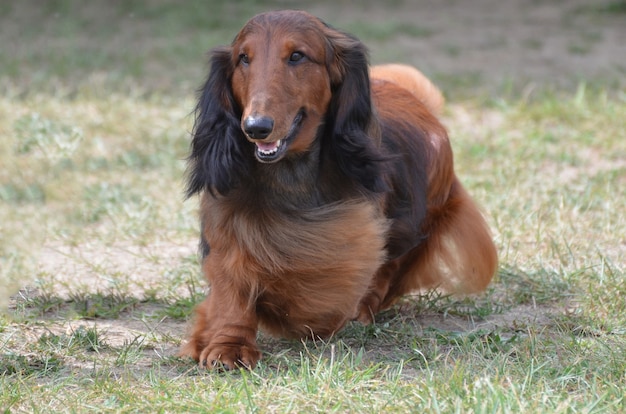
{"x": 414, "y": 81}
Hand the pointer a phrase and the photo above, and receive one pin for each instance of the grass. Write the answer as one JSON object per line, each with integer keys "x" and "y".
{"x": 95, "y": 230}
{"x": 548, "y": 335}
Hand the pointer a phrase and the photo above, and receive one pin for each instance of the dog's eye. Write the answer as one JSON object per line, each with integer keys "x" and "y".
{"x": 296, "y": 57}
{"x": 243, "y": 58}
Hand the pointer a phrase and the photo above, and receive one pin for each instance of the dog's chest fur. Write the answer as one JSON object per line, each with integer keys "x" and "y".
{"x": 315, "y": 263}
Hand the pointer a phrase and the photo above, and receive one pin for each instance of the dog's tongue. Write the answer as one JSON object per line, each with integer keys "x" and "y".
{"x": 268, "y": 146}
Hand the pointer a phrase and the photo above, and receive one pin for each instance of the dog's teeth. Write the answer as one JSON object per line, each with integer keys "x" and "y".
{"x": 270, "y": 151}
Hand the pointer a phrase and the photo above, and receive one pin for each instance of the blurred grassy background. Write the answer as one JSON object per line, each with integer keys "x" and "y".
{"x": 158, "y": 46}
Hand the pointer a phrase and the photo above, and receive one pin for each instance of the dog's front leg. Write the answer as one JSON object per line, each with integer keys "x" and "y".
{"x": 224, "y": 332}
{"x": 233, "y": 338}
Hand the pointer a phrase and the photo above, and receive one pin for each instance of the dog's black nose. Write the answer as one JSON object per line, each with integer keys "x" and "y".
{"x": 258, "y": 127}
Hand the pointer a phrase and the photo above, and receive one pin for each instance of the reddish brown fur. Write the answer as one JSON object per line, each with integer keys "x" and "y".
{"x": 298, "y": 247}
{"x": 414, "y": 81}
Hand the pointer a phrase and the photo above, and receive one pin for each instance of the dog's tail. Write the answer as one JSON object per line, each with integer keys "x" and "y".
{"x": 460, "y": 254}
{"x": 414, "y": 81}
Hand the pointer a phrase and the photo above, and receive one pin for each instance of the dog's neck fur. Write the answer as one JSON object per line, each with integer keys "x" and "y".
{"x": 299, "y": 181}
{"x": 292, "y": 182}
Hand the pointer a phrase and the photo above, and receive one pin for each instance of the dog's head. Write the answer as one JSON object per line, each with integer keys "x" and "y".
{"x": 287, "y": 80}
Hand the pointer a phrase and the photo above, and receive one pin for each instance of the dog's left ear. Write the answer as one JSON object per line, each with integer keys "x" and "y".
{"x": 351, "y": 112}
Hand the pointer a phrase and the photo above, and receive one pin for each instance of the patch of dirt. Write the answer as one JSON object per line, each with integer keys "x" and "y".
{"x": 132, "y": 269}
{"x": 133, "y": 338}
{"x": 160, "y": 339}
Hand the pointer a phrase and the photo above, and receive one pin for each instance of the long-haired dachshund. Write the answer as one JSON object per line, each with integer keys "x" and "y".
{"x": 327, "y": 190}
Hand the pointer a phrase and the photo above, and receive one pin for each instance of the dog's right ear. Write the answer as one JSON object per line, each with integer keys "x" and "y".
{"x": 217, "y": 158}
{"x": 351, "y": 110}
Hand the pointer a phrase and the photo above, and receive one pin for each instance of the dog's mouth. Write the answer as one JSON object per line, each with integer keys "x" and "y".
{"x": 269, "y": 152}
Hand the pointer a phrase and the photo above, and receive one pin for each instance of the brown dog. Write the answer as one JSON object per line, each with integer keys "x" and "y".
{"x": 326, "y": 195}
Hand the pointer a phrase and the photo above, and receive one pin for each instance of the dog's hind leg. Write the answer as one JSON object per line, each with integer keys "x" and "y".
{"x": 373, "y": 300}
{"x": 457, "y": 257}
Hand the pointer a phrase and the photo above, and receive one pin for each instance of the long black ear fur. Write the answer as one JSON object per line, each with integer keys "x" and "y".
{"x": 351, "y": 113}
{"x": 217, "y": 159}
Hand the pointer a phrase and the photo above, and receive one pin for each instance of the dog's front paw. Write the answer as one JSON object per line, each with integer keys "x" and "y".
{"x": 229, "y": 356}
